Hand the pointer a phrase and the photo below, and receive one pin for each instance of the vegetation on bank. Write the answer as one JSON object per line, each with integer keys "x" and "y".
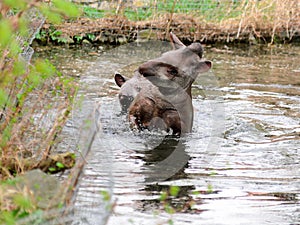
{"x": 250, "y": 21}
{"x": 35, "y": 101}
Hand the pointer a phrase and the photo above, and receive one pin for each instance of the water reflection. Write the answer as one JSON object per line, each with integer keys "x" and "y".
{"x": 166, "y": 161}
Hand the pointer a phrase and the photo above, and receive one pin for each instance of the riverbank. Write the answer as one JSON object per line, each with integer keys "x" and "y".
{"x": 268, "y": 22}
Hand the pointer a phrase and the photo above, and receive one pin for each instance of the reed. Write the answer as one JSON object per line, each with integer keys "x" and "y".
{"x": 35, "y": 99}
{"x": 272, "y": 18}
{"x": 268, "y": 21}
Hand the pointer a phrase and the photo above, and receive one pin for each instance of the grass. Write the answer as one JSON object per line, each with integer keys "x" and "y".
{"x": 91, "y": 12}
{"x": 269, "y": 20}
{"x": 211, "y": 9}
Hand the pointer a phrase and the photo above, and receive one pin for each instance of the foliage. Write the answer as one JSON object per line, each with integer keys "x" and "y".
{"x": 28, "y": 92}
{"x": 15, "y": 203}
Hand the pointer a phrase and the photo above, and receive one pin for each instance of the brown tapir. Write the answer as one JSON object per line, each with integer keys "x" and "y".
{"x": 163, "y": 100}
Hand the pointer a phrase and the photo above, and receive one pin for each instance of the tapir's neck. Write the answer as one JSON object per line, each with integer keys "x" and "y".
{"x": 182, "y": 101}
{"x": 189, "y": 91}
{"x": 187, "y": 111}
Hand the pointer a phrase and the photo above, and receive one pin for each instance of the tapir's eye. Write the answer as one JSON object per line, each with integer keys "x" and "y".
{"x": 173, "y": 71}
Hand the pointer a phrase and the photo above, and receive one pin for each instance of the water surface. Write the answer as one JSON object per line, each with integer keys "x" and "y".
{"x": 240, "y": 164}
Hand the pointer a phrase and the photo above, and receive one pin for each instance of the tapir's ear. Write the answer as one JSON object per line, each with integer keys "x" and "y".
{"x": 119, "y": 79}
{"x": 196, "y": 48}
{"x": 204, "y": 66}
{"x": 176, "y": 43}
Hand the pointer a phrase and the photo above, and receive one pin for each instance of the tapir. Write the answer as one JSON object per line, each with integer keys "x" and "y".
{"x": 159, "y": 94}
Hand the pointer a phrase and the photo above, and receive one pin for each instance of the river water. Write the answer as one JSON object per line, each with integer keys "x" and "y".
{"x": 240, "y": 164}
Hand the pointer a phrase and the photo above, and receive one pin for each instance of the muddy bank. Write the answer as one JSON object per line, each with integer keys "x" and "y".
{"x": 119, "y": 30}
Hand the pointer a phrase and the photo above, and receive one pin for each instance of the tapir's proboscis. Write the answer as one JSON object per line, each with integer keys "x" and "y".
{"x": 158, "y": 96}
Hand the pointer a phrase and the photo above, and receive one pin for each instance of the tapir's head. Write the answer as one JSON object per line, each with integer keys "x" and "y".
{"x": 130, "y": 88}
{"x": 176, "y": 68}
{"x": 127, "y": 93}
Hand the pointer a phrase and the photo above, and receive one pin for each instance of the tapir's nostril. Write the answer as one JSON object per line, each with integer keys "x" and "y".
{"x": 125, "y": 101}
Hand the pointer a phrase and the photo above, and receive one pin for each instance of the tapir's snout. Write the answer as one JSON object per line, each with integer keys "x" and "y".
{"x": 125, "y": 102}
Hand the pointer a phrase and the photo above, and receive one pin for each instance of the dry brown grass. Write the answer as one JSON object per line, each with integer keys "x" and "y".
{"x": 32, "y": 128}
{"x": 267, "y": 21}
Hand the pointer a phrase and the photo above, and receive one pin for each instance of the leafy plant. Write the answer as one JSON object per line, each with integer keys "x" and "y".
{"x": 52, "y": 35}
{"x": 55, "y": 36}
{"x": 91, "y": 37}
{"x": 28, "y": 93}
{"x": 41, "y": 35}
{"x": 21, "y": 82}
{"x": 78, "y": 38}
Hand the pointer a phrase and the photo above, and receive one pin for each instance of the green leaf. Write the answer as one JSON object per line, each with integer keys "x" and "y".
{"x": 106, "y": 195}
{"x": 73, "y": 156}
{"x": 23, "y": 202}
{"x": 196, "y": 192}
{"x": 52, "y": 169}
{"x": 169, "y": 209}
{"x": 5, "y": 33}
{"x": 174, "y": 190}
{"x": 23, "y": 26}
{"x": 14, "y": 48}
{"x": 8, "y": 218}
{"x": 60, "y": 165}
{"x": 163, "y": 196}
{"x": 19, "y": 68}
{"x": 17, "y": 4}
{"x": 44, "y": 68}
{"x": 34, "y": 78}
{"x": 91, "y": 37}
{"x": 3, "y": 98}
{"x": 6, "y": 135}
{"x": 53, "y": 17}
{"x": 41, "y": 35}
{"x": 56, "y": 33}
{"x": 78, "y": 38}
{"x": 66, "y": 7}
